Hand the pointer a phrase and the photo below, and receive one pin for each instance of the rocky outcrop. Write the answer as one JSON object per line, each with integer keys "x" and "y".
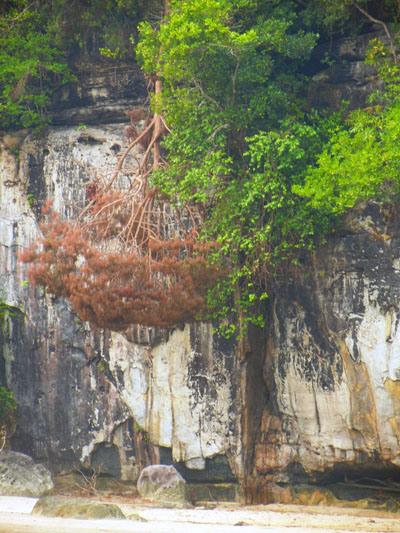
{"x": 162, "y": 484}
{"x": 91, "y": 398}
{"x": 102, "y": 93}
{"x": 50, "y": 359}
{"x": 313, "y": 396}
{"x": 180, "y": 391}
{"x": 347, "y": 81}
{"x": 80, "y": 508}
{"x": 332, "y": 365}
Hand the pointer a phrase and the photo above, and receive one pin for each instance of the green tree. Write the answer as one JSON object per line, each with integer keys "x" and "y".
{"x": 40, "y": 39}
{"x": 232, "y": 96}
{"x": 269, "y": 175}
{"x": 29, "y": 66}
{"x": 361, "y": 160}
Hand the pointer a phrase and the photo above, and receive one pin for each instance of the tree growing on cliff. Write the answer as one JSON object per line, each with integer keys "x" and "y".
{"x": 120, "y": 261}
{"x": 232, "y": 82}
{"x": 41, "y": 41}
{"x": 128, "y": 256}
{"x": 243, "y": 139}
{"x": 227, "y": 82}
{"x": 29, "y": 63}
{"x": 361, "y": 160}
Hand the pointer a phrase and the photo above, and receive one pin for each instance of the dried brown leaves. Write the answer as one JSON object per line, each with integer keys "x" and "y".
{"x": 129, "y": 257}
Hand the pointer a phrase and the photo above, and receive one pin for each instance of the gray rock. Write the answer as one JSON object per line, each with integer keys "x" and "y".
{"x": 82, "y": 508}
{"x": 20, "y": 476}
{"x": 162, "y": 484}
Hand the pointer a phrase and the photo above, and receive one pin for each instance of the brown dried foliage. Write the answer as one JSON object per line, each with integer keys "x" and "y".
{"x": 129, "y": 257}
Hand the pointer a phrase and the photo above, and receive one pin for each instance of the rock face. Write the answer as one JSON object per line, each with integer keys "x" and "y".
{"x": 49, "y": 358}
{"x": 332, "y": 365}
{"x": 101, "y": 94}
{"x": 349, "y": 79}
{"x": 20, "y": 476}
{"x": 180, "y": 391}
{"x": 313, "y": 396}
{"x": 110, "y": 402}
{"x": 162, "y": 484}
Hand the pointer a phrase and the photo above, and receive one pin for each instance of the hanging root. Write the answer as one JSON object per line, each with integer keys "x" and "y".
{"x": 129, "y": 257}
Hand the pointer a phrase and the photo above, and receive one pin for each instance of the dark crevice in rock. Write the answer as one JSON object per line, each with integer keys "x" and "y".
{"x": 36, "y": 183}
{"x": 217, "y": 469}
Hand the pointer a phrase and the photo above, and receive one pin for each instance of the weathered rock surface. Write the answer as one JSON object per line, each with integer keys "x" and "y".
{"x": 49, "y": 358}
{"x": 332, "y": 366}
{"x": 162, "y": 484}
{"x": 348, "y": 79}
{"x": 101, "y": 94}
{"x": 180, "y": 391}
{"x": 21, "y": 476}
{"x": 86, "y": 398}
{"x": 315, "y": 395}
{"x": 76, "y": 508}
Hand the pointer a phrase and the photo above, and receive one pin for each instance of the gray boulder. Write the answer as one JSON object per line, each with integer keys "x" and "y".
{"x": 162, "y": 484}
{"x": 21, "y": 476}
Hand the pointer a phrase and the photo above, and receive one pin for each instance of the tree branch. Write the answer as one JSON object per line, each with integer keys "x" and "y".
{"x": 384, "y": 26}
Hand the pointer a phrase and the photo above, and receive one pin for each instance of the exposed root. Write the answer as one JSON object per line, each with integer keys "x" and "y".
{"x": 129, "y": 256}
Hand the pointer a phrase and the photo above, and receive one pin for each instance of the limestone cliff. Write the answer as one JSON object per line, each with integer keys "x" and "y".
{"x": 78, "y": 389}
{"x": 332, "y": 361}
{"x": 315, "y": 394}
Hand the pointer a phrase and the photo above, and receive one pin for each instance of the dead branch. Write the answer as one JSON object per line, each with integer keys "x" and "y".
{"x": 89, "y": 482}
{"x": 384, "y": 26}
{"x": 127, "y": 151}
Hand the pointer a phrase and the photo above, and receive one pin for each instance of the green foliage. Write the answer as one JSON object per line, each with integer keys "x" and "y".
{"x": 258, "y": 219}
{"x": 8, "y": 407}
{"x": 362, "y": 158}
{"x": 8, "y": 310}
{"x": 38, "y": 40}
{"x": 270, "y": 177}
{"x": 222, "y": 53}
{"x": 31, "y": 200}
{"x": 29, "y": 67}
{"x": 240, "y": 139}
{"x": 339, "y": 14}
{"x": 359, "y": 162}
{"x": 94, "y": 26}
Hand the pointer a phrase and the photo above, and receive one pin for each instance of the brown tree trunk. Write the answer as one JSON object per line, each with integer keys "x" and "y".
{"x": 157, "y": 129}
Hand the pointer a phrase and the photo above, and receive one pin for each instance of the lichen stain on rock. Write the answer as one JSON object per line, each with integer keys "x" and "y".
{"x": 393, "y": 388}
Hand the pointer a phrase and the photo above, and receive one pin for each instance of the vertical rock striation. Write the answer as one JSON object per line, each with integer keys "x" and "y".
{"x": 49, "y": 357}
{"x": 180, "y": 392}
{"x": 333, "y": 362}
{"x": 82, "y": 394}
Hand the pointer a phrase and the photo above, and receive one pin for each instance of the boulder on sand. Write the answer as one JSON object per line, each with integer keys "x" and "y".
{"x": 58, "y": 506}
{"x": 21, "y": 476}
{"x": 162, "y": 484}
